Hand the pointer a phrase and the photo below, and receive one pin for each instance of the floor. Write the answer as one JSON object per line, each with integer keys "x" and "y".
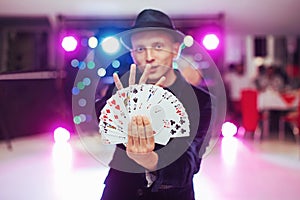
{"x": 234, "y": 169}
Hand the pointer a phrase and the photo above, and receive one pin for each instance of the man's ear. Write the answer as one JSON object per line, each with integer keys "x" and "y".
{"x": 176, "y": 50}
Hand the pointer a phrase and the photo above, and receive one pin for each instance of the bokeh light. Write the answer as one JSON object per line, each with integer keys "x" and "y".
{"x": 116, "y": 64}
{"x": 61, "y": 135}
{"x": 93, "y": 42}
{"x": 188, "y": 41}
{"x": 101, "y": 72}
{"x": 229, "y": 129}
{"x": 110, "y": 45}
{"x": 211, "y": 41}
{"x": 69, "y": 43}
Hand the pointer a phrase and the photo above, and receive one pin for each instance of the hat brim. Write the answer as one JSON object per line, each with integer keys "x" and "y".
{"x": 125, "y": 37}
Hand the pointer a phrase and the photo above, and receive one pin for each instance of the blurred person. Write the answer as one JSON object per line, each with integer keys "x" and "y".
{"x": 154, "y": 44}
{"x": 271, "y": 79}
{"x": 236, "y": 81}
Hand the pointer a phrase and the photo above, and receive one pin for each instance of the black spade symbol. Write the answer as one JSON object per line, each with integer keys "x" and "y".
{"x": 135, "y": 99}
{"x": 135, "y": 91}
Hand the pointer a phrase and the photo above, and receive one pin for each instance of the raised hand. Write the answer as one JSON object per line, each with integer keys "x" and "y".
{"x": 140, "y": 144}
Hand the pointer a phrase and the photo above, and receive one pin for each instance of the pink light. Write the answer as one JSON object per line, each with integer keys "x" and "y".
{"x": 229, "y": 129}
{"x": 210, "y": 41}
{"x": 61, "y": 135}
{"x": 69, "y": 43}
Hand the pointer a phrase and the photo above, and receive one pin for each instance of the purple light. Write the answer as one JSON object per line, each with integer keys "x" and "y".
{"x": 210, "y": 41}
{"x": 229, "y": 129}
{"x": 69, "y": 43}
{"x": 61, "y": 135}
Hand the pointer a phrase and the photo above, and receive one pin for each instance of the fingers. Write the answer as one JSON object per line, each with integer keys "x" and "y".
{"x": 140, "y": 135}
{"x": 132, "y": 74}
{"x": 145, "y": 74}
{"x": 117, "y": 81}
{"x": 148, "y": 133}
{"x": 161, "y": 81}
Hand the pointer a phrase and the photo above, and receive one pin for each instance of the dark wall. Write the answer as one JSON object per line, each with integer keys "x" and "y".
{"x": 30, "y": 107}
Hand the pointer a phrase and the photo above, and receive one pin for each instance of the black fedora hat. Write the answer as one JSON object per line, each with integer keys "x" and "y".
{"x": 148, "y": 20}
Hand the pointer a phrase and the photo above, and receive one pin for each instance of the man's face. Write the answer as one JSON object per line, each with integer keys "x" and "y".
{"x": 156, "y": 48}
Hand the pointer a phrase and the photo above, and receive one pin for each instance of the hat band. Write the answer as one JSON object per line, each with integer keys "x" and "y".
{"x": 153, "y": 24}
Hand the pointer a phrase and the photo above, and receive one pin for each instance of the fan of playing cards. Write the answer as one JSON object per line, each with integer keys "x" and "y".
{"x": 166, "y": 113}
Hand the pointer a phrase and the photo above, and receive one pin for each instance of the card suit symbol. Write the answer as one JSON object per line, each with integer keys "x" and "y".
{"x": 116, "y": 116}
{"x": 123, "y": 94}
{"x": 135, "y": 91}
{"x": 117, "y": 107}
{"x": 173, "y": 132}
{"x": 113, "y": 102}
{"x": 135, "y": 99}
{"x": 172, "y": 122}
{"x": 181, "y": 121}
{"x": 177, "y": 126}
{"x": 183, "y": 131}
{"x": 107, "y": 110}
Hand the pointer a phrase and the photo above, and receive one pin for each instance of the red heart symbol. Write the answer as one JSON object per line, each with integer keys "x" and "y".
{"x": 123, "y": 94}
{"x": 116, "y": 117}
{"x": 113, "y": 102}
{"x": 107, "y": 110}
{"x": 117, "y": 107}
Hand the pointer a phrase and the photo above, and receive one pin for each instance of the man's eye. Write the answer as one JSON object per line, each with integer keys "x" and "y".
{"x": 140, "y": 49}
{"x": 158, "y": 46}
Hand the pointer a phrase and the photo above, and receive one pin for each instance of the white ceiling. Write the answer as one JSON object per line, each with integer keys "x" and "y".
{"x": 279, "y": 17}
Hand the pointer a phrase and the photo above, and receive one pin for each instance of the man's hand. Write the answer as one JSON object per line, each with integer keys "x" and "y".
{"x": 140, "y": 144}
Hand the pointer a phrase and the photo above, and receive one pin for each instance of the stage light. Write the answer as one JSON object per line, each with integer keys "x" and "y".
{"x": 110, "y": 45}
{"x": 229, "y": 129}
{"x": 211, "y": 41}
{"x": 93, "y": 42}
{"x": 69, "y": 43}
{"x": 61, "y": 135}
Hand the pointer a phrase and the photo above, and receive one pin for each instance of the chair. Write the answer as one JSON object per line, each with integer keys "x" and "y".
{"x": 250, "y": 114}
{"x": 293, "y": 118}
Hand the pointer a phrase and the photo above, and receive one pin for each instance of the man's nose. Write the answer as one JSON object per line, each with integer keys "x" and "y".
{"x": 149, "y": 55}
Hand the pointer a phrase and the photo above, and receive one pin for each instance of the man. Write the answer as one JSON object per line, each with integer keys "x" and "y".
{"x": 143, "y": 169}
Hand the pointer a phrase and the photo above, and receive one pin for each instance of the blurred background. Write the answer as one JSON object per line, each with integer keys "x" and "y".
{"x": 37, "y": 74}
{"x": 254, "y": 44}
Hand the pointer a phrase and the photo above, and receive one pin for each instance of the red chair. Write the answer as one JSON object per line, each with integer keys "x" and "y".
{"x": 250, "y": 114}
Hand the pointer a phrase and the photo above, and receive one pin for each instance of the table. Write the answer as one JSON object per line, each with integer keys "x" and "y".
{"x": 271, "y": 100}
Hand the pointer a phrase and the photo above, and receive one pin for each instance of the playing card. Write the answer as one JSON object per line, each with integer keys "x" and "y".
{"x": 111, "y": 135}
{"x": 108, "y": 116}
{"x": 166, "y": 113}
{"x": 120, "y": 114}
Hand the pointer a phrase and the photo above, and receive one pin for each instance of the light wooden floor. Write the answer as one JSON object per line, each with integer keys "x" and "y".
{"x": 236, "y": 169}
